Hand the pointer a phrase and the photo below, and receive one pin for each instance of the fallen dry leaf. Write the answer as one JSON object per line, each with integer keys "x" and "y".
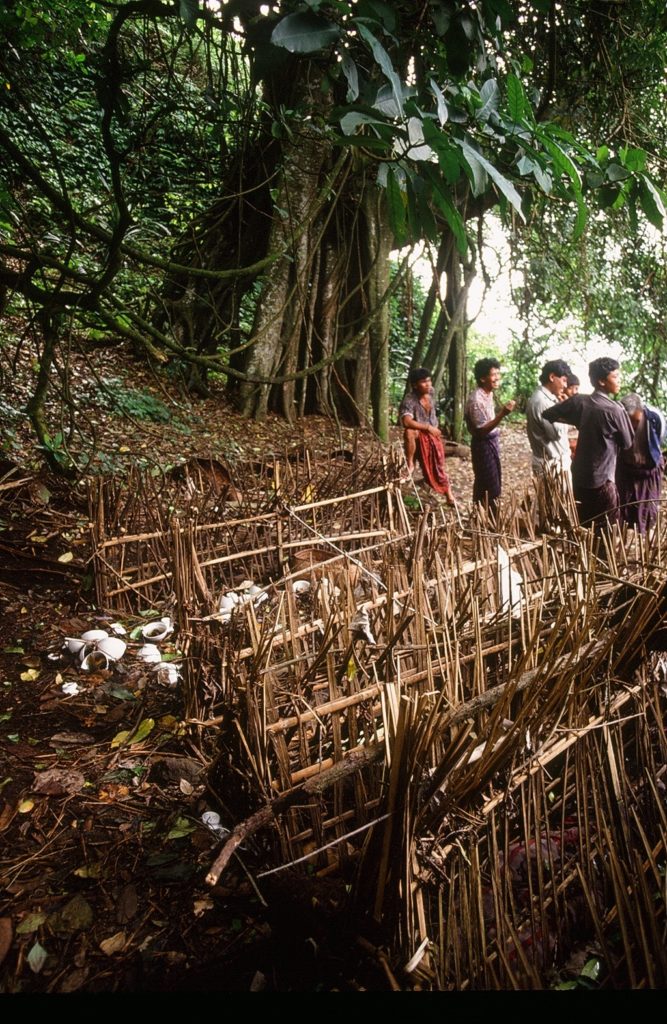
{"x": 114, "y": 944}
{"x": 6, "y": 935}
{"x": 58, "y": 782}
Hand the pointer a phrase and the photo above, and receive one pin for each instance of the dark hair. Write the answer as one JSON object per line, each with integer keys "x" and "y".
{"x": 558, "y": 367}
{"x": 421, "y": 373}
{"x": 572, "y": 379}
{"x": 600, "y": 369}
{"x": 483, "y": 367}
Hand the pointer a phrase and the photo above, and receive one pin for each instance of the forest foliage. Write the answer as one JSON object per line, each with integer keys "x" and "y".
{"x": 223, "y": 184}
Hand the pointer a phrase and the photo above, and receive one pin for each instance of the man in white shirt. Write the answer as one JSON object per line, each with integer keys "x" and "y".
{"x": 550, "y": 445}
{"x": 548, "y": 441}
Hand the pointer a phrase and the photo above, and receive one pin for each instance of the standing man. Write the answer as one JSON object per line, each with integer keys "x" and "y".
{"x": 548, "y": 441}
{"x": 604, "y": 430}
{"x": 482, "y": 421}
{"x": 422, "y": 437}
{"x": 550, "y": 445}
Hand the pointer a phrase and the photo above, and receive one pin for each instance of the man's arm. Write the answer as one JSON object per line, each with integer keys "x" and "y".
{"x": 542, "y": 430}
{"x": 568, "y": 411}
{"x": 478, "y": 429}
{"x": 410, "y": 423}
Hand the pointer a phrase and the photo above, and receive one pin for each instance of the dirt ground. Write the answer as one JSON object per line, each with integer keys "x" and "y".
{"x": 103, "y": 849}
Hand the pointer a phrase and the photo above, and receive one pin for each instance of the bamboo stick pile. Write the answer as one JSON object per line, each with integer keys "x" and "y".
{"x": 465, "y": 717}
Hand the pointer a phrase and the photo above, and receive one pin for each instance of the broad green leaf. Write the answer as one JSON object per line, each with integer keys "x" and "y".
{"x": 304, "y": 33}
{"x": 474, "y": 168}
{"x": 516, "y": 99}
{"x": 617, "y": 173}
{"x": 443, "y": 113}
{"x": 351, "y": 73}
{"x": 591, "y": 969}
{"x": 490, "y": 95}
{"x": 633, "y": 159}
{"x": 350, "y": 122}
{"x": 562, "y": 162}
{"x": 379, "y": 11}
{"x": 418, "y": 149}
{"x": 651, "y": 201}
{"x": 382, "y": 58}
{"x": 582, "y": 217}
{"x": 525, "y": 165}
{"x": 543, "y": 179}
{"x": 444, "y": 203}
{"x": 602, "y": 154}
{"x": 448, "y": 156}
{"x": 506, "y": 187}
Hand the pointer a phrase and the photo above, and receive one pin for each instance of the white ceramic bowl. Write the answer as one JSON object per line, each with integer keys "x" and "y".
{"x": 91, "y": 635}
{"x": 149, "y": 654}
{"x": 113, "y": 647}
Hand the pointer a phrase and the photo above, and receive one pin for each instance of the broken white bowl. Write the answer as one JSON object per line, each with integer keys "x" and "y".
{"x": 149, "y": 654}
{"x": 157, "y": 630}
{"x": 113, "y": 647}
{"x": 92, "y": 635}
{"x": 94, "y": 662}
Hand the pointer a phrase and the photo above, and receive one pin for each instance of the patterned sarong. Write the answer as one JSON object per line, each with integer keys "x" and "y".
{"x": 431, "y": 455}
{"x": 485, "y": 451}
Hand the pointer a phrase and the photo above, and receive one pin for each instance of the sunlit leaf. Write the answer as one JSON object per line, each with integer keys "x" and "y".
{"x": 490, "y": 95}
{"x": 31, "y": 923}
{"x": 30, "y": 675}
{"x": 351, "y": 73}
{"x": 443, "y": 113}
{"x": 145, "y": 727}
{"x": 382, "y": 58}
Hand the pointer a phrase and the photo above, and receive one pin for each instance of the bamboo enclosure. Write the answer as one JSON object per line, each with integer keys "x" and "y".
{"x": 468, "y": 717}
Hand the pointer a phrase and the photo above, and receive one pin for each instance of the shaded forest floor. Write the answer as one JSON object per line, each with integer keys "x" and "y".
{"x": 103, "y": 848}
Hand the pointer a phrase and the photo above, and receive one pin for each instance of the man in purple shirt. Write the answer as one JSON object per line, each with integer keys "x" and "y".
{"x": 604, "y": 429}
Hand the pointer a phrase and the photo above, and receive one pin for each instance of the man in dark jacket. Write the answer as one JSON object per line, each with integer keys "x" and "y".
{"x": 604, "y": 430}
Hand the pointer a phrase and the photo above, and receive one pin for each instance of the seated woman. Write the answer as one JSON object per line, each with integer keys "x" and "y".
{"x": 639, "y": 470}
{"x": 422, "y": 437}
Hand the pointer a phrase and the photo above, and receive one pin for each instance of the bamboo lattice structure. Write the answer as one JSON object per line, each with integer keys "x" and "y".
{"x": 470, "y": 718}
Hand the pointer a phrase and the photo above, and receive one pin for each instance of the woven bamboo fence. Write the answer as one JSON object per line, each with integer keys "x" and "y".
{"x": 466, "y": 718}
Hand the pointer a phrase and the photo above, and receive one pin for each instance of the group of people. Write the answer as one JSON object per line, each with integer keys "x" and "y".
{"x": 617, "y": 469}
